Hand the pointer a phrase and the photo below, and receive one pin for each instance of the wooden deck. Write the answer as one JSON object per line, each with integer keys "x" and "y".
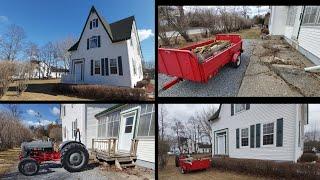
{"x": 105, "y": 149}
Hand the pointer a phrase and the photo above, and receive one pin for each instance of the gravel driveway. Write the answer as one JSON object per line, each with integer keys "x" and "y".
{"x": 226, "y": 83}
{"x": 92, "y": 172}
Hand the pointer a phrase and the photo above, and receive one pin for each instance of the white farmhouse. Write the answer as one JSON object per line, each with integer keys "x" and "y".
{"x": 103, "y": 122}
{"x": 259, "y": 131}
{"x": 41, "y": 69}
{"x": 300, "y": 26}
{"x": 107, "y": 54}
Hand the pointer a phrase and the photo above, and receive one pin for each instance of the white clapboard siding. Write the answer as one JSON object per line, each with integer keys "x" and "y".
{"x": 146, "y": 150}
{"x": 309, "y": 39}
{"x": 260, "y": 113}
{"x": 288, "y": 32}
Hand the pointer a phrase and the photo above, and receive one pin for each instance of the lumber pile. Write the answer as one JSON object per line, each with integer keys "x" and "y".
{"x": 203, "y": 52}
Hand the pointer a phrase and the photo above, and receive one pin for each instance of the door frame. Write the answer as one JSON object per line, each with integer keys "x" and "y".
{"x": 78, "y": 61}
{"x": 123, "y": 114}
{"x": 215, "y": 134}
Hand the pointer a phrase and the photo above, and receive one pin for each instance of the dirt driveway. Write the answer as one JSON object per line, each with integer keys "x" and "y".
{"x": 276, "y": 69}
{"x": 38, "y": 90}
{"x": 172, "y": 173}
{"x": 94, "y": 171}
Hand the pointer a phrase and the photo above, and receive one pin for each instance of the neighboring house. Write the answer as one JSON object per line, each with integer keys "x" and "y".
{"x": 123, "y": 122}
{"x": 259, "y": 131}
{"x": 204, "y": 148}
{"x": 107, "y": 54}
{"x": 57, "y": 72}
{"x": 40, "y": 69}
{"x": 300, "y": 26}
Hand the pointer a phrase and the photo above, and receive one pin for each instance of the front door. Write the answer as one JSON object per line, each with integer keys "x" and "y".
{"x": 221, "y": 144}
{"x": 78, "y": 71}
{"x": 127, "y": 130}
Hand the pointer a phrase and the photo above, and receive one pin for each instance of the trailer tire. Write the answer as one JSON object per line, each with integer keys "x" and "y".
{"x": 238, "y": 62}
{"x": 74, "y": 157}
{"x": 177, "y": 161}
{"x": 182, "y": 171}
{"x": 28, "y": 164}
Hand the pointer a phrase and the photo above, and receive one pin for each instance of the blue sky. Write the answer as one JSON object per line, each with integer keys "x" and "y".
{"x": 45, "y": 20}
{"x": 49, "y": 113}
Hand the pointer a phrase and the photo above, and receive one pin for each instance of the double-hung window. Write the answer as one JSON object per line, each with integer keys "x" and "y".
{"x": 239, "y": 107}
{"x": 245, "y": 137}
{"x": 97, "y": 67}
{"x": 102, "y": 127}
{"x": 113, "y": 66}
{"x": 113, "y": 124}
{"x": 311, "y": 15}
{"x": 268, "y": 132}
{"x": 94, "y": 42}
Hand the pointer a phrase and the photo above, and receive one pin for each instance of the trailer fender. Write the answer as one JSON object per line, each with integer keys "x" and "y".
{"x": 235, "y": 56}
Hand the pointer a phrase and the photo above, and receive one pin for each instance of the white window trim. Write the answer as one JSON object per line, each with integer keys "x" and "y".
{"x": 117, "y": 66}
{"x": 317, "y": 16}
{"x": 242, "y": 137}
{"x": 274, "y": 135}
{"x": 92, "y": 39}
{"x": 94, "y": 73}
{"x": 215, "y": 150}
{"x": 234, "y": 109}
{"x": 94, "y": 23}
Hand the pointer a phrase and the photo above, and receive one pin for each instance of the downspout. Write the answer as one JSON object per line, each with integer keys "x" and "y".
{"x": 301, "y": 19}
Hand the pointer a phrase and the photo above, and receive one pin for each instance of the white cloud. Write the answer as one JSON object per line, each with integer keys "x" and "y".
{"x": 55, "y": 111}
{"x": 145, "y": 34}
{"x": 43, "y": 122}
{"x": 32, "y": 112}
{"x": 4, "y": 19}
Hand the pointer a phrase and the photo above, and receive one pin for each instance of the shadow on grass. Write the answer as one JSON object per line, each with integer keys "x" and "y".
{"x": 46, "y": 88}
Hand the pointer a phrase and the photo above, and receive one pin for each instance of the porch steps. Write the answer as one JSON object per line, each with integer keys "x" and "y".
{"x": 124, "y": 163}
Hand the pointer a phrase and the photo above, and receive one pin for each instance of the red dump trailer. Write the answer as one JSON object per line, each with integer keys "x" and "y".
{"x": 184, "y": 64}
{"x": 188, "y": 164}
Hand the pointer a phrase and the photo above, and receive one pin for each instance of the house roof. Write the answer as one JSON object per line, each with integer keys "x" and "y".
{"x": 216, "y": 114}
{"x": 117, "y": 31}
{"x": 109, "y": 110}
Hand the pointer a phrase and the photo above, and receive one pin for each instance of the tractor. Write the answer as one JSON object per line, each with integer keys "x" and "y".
{"x": 73, "y": 155}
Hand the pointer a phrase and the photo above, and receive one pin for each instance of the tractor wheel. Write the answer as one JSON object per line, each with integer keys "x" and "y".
{"x": 177, "y": 161}
{"x": 74, "y": 157}
{"x": 238, "y": 62}
{"x": 28, "y": 167}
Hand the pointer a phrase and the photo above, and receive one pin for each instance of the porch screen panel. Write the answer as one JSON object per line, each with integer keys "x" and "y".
{"x": 147, "y": 120}
{"x": 113, "y": 124}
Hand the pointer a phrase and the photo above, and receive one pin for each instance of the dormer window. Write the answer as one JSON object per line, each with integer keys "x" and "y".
{"x": 94, "y": 23}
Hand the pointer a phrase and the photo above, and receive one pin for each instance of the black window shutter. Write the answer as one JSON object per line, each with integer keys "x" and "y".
{"x": 102, "y": 67}
{"x": 252, "y": 136}
{"x": 247, "y": 106}
{"x": 97, "y": 22}
{"x": 98, "y": 41}
{"x": 258, "y": 129}
{"x": 120, "y": 65}
{"x": 279, "y": 132}
{"x": 232, "y": 107}
{"x": 88, "y": 43}
{"x": 91, "y": 67}
{"x": 107, "y": 66}
{"x": 90, "y": 24}
{"x": 237, "y": 136}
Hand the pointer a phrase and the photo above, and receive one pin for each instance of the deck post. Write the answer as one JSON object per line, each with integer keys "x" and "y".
{"x": 109, "y": 144}
{"x": 92, "y": 144}
{"x": 136, "y": 147}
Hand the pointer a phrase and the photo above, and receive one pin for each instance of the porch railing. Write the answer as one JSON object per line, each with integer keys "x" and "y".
{"x": 109, "y": 146}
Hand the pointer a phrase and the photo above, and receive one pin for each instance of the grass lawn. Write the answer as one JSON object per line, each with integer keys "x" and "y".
{"x": 253, "y": 33}
{"x": 172, "y": 172}
{"x": 8, "y": 159}
{"x": 38, "y": 90}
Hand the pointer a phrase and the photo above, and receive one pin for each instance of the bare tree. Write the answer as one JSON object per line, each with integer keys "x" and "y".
{"x": 56, "y": 133}
{"x": 14, "y": 110}
{"x": 32, "y": 51}
{"x": 12, "y": 42}
{"x": 162, "y": 125}
{"x": 178, "y": 129}
{"x": 62, "y": 50}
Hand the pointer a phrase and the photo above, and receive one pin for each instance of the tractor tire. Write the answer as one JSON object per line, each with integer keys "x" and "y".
{"x": 177, "y": 161}
{"x": 28, "y": 167}
{"x": 74, "y": 157}
{"x": 238, "y": 62}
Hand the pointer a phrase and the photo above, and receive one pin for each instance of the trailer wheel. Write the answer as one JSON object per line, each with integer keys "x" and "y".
{"x": 28, "y": 167}
{"x": 238, "y": 62}
{"x": 177, "y": 161}
{"x": 74, "y": 157}
{"x": 182, "y": 171}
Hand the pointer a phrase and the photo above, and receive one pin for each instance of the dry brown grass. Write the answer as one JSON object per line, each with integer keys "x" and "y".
{"x": 171, "y": 172}
{"x": 8, "y": 159}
